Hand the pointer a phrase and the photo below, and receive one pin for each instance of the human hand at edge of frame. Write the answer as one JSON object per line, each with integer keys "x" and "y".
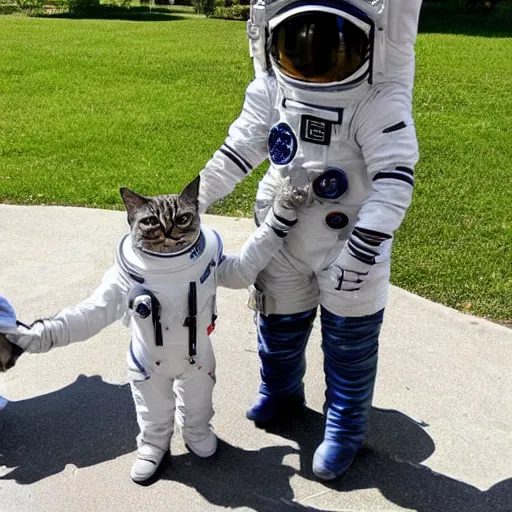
{"x": 9, "y": 353}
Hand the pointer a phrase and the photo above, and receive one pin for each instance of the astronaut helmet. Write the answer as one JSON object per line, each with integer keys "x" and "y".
{"x": 326, "y": 44}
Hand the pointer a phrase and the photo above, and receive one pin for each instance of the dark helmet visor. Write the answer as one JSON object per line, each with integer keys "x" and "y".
{"x": 319, "y": 47}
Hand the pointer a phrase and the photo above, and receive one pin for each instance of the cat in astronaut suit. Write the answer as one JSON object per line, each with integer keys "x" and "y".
{"x": 331, "y": 105}
{"x": 163, "y": 284}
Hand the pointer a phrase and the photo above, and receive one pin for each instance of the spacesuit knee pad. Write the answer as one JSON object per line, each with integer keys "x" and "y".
{"x": 195, "y": 425}
{"x": 194, "y": 407}
{"x": 350, "y": 340}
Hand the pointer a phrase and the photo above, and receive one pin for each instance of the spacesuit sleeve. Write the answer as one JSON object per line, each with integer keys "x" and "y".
{"x": 240, "y": 270}
{"x": 244, "y": 148}
{"x": 386, "y": 134}
{"x": 80, "y": 322}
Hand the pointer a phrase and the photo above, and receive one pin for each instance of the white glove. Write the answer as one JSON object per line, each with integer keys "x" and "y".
{"x": 350, "y": 270}
{"x": 348, "y": 273}
{"x": 287, "y": 200}
{"x": 40, "y": 337}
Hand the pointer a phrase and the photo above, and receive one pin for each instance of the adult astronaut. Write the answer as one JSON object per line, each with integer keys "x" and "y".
{"x": 331, "y": 104}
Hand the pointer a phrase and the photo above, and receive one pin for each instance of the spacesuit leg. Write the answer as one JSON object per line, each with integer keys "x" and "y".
{"x": 281, "y": 343}
{"x": 350, "y": 346}
{"x": 154, "y": 405}
{"x": 194, "y": 393}
{"x": 283, "y": 331}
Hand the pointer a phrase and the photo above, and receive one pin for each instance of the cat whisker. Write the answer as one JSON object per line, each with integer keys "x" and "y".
{"x": 173, "y": 241}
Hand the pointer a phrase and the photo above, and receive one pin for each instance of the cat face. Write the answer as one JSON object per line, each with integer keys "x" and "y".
{"x": 163, "y": 224}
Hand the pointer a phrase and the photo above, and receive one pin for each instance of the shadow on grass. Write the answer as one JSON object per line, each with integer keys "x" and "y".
{"x": 106, "y": 12}
{"x": 437, "y": 19}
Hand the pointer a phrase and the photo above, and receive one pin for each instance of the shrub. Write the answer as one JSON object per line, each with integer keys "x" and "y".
{"x": 80, "y": 7}
{"x": 30, "y": 5}
{"x": 232, "y": 9}
{"x": 205, "y": 7}
{"x": 235, "y": 12}
{"x": 502, "y": 13}
{"x": 468, "y": 6}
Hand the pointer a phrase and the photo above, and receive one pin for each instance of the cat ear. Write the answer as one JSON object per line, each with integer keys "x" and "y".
{"x": 190, "y": 192}
{"x": 132, "y": 201}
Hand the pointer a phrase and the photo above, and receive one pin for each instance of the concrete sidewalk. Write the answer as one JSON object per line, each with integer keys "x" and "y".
{"x": 441, "y": 429}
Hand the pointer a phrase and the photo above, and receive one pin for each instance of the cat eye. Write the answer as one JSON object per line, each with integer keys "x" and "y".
{"x": 183, "y": 220}
{"x": 149, "y": 221}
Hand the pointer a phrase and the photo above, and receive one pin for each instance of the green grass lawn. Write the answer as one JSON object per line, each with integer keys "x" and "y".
{"x": 88, "y": 105}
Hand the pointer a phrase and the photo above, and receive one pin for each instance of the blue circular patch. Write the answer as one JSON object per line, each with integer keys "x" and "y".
{"x": 336, "y": 220}
{"x": 331, "y": 184}
{"x": 282, "y": 144}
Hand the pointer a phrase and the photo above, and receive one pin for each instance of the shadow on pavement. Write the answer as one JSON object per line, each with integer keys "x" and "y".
{"x": 92, "y": 421}
{"x": 391, "y": 462}
{"x": 85, "y": 423}
{"x": 233, "y": 477}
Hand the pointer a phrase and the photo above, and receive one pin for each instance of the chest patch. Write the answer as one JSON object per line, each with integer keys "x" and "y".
{"x": 315, "y": 130}
{"x": 282, "y": 144}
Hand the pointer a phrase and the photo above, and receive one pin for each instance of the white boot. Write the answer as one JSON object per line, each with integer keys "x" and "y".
{"x": 203, "y": 448}
{"x": 148, "y": 460}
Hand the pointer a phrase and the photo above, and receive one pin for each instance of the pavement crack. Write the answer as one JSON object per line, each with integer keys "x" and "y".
{"x": 315, "y": 495}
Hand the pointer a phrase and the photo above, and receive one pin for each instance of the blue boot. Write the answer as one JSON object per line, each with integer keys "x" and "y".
{"x": 281, "y": 343}
{"x": 266, "y": 409}
{"x": 350, "y": 346}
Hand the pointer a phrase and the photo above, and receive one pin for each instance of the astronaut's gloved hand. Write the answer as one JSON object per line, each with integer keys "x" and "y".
{"x": 348, "y": 273}
{"x": 288, "y": 199}
{"x": 282, "y": 216}
{"x": 36, "y": 339}
{"x": 362, "y": 250}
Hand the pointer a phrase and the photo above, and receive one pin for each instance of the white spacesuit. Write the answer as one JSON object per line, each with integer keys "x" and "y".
{"x": 331, "y": 105}
{"x": 169, "y": 302}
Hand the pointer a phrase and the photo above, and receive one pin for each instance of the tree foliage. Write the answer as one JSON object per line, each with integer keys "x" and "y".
{"x": 470, "y": 6}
